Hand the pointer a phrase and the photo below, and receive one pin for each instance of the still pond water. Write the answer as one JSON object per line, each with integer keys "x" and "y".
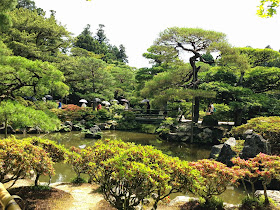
{"x": 183, "y": 151}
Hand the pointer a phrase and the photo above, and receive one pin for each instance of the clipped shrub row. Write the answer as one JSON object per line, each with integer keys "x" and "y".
{"x": 128, "y": 173}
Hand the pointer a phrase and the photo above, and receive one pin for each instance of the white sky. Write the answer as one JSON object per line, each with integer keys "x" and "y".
{"x": 137, "y": 23}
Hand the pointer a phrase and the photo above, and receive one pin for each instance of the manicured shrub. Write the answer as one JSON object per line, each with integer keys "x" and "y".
{"x": 262, "y": 168}
{"x": 79, "y": 160}
{"x": 19, "y": 158}
{"x": 128, "y": 173}
{"x": 127, "y": 121}
{"x": 21, "y": 117}
{"x": 56, "y": 152}
{"x": 217, "y": 176}
{"x": 268, "y": 127}
{"x": 210, "y": 120}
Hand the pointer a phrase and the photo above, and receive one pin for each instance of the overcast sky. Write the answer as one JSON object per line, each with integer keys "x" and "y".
{"x": 137, "y": 23}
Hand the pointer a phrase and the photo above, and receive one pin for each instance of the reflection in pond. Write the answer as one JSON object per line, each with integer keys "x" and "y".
{"x": 184, "y": 151}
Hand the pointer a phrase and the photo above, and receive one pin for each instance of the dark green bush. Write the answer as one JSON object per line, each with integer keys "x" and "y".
{"x": 78, "y": 180}
{"x": 148, "y": 128}
{"x": 257, "y": 203}
{"x": 213, "y": 203}
{"x": 210, "y": 120}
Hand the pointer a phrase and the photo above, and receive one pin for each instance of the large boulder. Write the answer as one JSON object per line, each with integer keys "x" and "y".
{"x": 201, "y": 134}
{"x": 223, "y": 152}
{"x": 95, "y": 129}
{"x": 253, "y": 145}
{"x": 215, "y": 151}
{"x": 273, "y": 194}
{"x": 226, "y": 154}
{"x": 67, "y": 126}
{"x": 231, "y": 142}
{"x": 94, "y": 132}
{"x": 205, "y": 135}
{"x": 34, "y": 130}
{"x": 180, "y": 200}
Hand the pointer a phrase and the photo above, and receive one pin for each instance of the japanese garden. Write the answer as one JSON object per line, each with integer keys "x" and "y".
{"x": 198, "y": 129}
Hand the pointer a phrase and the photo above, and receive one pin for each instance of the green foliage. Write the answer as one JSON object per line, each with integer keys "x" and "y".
{"x": 23, "y": 77}
{"x": 219, "y": 74}
{"x": 103, "y": 114}
{"x": 161, "y": 56}
{"x": 79, "y": 160}
{"x": 238, "y": 147}
{"x": 44, "y": 106}
{"x": 128, "y": 122}
{"x": 88, "y": 77}
{"x": 34, "y": 36}
{"x": 19, "y": 116}
{"x": 124, "y": 77}
{"x": 78, "y": 180}
{"x": 148, "y": 128}
{"x": 210, "y": 120}
{"x": 168, "y": 121}
{"x": 166, "y": 125}
{"x": 139, "y": 170}
{"x": 4, "y": 50}
{"x": 268, "y": 127}
{"x": 267, "y": 8}
{"x": 19, "y": 158}
{"x": 262, "y": 79}
{"x": 40, "y": 187}
{"x": 5, "y": 20}
{"x": 223, "y": 112}
{"x": 214, "y": 203}
{"x": 55, "y": 151}
{"x": 99, "y": 45}
{"x": 261, "y": 57}
{"x": 257, "y": 203}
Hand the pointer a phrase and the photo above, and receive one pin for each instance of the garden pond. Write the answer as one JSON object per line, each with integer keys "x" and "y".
{"x": 189, "y": 152}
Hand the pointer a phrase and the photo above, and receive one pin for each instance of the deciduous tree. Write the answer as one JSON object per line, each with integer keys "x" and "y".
{"x": 267, "y": 8}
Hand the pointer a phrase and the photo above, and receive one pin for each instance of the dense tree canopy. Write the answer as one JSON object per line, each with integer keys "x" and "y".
{"x": 99, "y": 44}
{"x": 23, "y": 77}
{"x": 19, "y": 116}
{"x": 5, "y": 6}
{"x": 34, "y": 36}
{"x": 174, "y": 42}
{"x": 261, "y": 57}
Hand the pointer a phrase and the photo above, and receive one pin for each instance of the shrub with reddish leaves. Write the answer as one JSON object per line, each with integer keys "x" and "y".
{"x": 71, "y": 107}
{"x": 217, "y": 176}
{"x": 263, "y": 167}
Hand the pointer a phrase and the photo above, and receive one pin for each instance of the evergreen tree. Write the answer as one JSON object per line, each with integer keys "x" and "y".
{"x": 85, "y": 40}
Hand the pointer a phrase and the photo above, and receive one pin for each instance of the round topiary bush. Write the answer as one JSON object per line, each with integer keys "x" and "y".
{"x": 209, "y": 120}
